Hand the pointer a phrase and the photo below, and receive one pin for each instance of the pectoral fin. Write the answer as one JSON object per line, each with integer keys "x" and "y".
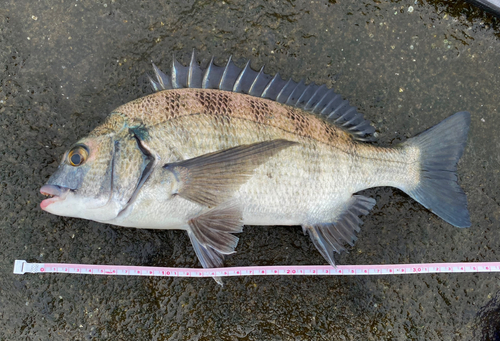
{"x": 212, "y": 179}
{"x": 211, "y": 234}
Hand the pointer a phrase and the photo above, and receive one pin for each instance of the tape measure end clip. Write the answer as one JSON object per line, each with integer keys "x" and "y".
{"x": 19, "y": 267}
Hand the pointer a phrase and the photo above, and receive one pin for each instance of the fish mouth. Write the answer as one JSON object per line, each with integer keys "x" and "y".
{"x": 55, "y": 194}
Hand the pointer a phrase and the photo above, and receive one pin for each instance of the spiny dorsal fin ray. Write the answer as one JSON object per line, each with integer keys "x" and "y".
{"x": 229, "y": 76}
{"x": 195, "y": 73}
{"x": 274, "y": 87}
{"x": 241, "y": 84}
{"x": 285, "y": 91}
{"x": 212, "y": 76}
{"x": 312, "y": 98}
{"x": 259, "y": 83}
{"x": 316, "y": 97}
{"x": 296, "y": 93}
{"x": 331, "y": 237}
{"x": 179, "y": 74}
{"x": 163, "y": 80}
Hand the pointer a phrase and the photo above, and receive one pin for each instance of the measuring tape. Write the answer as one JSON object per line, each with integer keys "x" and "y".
{"x": 22, "y": 267}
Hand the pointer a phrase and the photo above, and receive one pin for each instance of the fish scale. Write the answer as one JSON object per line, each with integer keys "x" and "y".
{"x": 220, "y": 147}
{"x": 295, "y": 197}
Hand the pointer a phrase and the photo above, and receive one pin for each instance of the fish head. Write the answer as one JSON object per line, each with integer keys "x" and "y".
{"x": 98, "y": 177}
{"x": 82, "y": 183}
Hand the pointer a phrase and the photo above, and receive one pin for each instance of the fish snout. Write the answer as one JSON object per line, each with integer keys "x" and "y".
{"x": 54, "y": 192}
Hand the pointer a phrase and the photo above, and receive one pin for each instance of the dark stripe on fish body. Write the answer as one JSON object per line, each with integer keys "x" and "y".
{"x": 218, "y": 106}
{"x": 159, "y": 109}
{"x": 231, "y": 78}
{"x": 260, "y": 110}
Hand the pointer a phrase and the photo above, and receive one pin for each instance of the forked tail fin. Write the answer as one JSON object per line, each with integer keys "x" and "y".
{"x": 440, "y": 148}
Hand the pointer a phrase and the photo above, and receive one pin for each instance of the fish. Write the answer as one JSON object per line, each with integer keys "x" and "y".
{"x": 218, "y": 147}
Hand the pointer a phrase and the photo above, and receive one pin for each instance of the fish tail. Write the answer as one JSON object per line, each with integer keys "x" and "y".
{"x": 440, "y": 149}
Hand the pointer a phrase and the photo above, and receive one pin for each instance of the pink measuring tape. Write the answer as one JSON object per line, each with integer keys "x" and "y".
{"x": 22, "y": 267}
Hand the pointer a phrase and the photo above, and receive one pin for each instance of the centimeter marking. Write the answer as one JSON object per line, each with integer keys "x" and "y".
{"x": 22, "y": 267}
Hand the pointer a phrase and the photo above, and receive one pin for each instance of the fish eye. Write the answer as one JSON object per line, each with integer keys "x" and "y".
{"x": 78, "y": 155}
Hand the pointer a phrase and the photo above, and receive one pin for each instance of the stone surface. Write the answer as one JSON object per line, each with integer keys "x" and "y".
{"x": 67, "y": 64}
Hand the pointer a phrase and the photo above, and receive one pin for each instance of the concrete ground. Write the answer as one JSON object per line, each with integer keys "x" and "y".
{"x": 406, "y": 64}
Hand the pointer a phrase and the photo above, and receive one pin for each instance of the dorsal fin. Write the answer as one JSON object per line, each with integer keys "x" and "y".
{"x": 309, "y": 97}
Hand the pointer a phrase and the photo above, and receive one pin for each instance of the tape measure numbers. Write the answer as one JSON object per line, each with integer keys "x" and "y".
{"x": 22, "y": 267}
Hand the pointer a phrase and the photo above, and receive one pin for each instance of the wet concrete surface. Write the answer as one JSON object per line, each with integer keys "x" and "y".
{"x": 406, "y": 64}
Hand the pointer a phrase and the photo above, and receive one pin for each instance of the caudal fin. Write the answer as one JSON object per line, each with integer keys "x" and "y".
{"x": 440, "y": 148}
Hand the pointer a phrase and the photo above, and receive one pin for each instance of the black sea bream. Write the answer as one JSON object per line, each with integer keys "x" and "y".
{"x": 218, "y": 148}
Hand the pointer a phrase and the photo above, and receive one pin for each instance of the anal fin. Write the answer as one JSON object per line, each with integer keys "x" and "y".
{"x": 211, "y": 234}
{"x": 331, "y": 237}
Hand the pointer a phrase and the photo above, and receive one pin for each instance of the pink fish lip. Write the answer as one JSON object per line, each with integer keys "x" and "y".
{"x": 55, "y": 193}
